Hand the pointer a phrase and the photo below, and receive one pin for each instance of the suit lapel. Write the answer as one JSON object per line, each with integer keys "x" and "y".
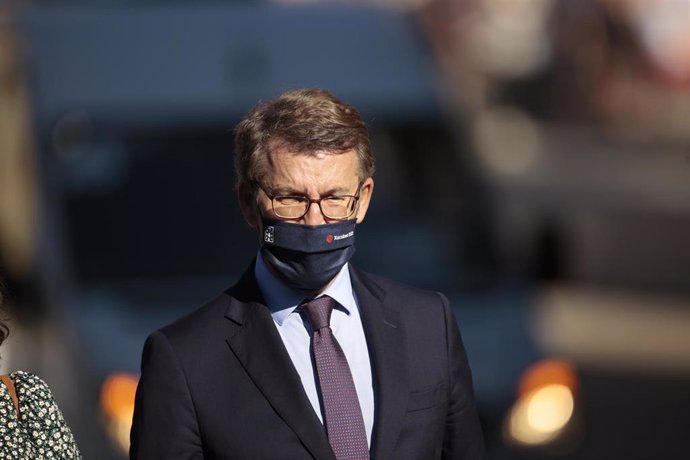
{"x": 386, "y": 341}
{"x": 258, "y": 346}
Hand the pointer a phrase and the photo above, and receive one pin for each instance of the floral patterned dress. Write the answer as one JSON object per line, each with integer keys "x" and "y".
{"x": 40, "y": 431}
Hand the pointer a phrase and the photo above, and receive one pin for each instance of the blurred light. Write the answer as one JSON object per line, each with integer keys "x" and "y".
{"x": 545, "y": 404}
{"x": 550, "y": 408}
{"x": 508, "y": 140}
{"x": 548, "y": 372}
{"x": 511, "y": 38}
{"x": 117, "y": 405}
{"x": 664, "y": 27}
{"x": 540, "y": 416}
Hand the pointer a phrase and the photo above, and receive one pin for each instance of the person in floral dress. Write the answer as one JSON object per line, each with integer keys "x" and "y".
{"x": 31, "y": 424}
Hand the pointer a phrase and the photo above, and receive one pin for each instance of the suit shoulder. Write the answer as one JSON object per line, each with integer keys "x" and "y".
{"x": 395, "y": 289}
{"x": 199, "y": 320}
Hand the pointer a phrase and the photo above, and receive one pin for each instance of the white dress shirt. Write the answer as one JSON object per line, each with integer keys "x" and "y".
{"x": 296, "y": 334}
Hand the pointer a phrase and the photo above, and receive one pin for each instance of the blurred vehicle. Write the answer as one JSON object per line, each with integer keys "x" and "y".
{"x": 531, "y": 186}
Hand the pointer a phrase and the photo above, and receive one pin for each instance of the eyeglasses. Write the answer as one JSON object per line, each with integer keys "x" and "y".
{"x": 334, "y": 207}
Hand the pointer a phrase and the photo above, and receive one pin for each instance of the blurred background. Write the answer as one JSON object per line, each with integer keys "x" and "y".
{"x": 533, "y": 164}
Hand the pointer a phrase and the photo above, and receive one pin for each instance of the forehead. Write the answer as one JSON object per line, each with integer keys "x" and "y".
{"x": 291, "y": 168}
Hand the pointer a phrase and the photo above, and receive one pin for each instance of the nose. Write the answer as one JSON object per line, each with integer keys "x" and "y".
{"x": 314, "y": 215}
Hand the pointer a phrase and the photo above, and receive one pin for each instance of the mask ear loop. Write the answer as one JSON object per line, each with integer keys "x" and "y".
{"x": 260, "y": 223}
{"x": 259, "y": 214}
{"x": 263, "y": 237}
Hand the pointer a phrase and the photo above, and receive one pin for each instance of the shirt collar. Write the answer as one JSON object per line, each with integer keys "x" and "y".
{"x": 282, "y": 300}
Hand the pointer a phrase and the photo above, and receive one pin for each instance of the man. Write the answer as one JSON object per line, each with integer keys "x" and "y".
{"x": 307, "y": 357}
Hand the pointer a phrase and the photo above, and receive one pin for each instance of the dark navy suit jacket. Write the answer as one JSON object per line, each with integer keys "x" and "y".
{"x": 219, "y": 384}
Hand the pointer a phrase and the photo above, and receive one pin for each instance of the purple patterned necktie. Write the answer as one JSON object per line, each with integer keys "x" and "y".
{"x": 343, "y": 416}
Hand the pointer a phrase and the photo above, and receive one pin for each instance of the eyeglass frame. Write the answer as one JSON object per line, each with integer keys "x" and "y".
{"x": 312, "y": 201}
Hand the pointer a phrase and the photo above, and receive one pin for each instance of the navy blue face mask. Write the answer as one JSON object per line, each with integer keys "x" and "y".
{"x": 307, "y": 257}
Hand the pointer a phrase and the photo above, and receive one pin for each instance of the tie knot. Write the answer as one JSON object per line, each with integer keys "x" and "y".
{"x": 319, "y": 311}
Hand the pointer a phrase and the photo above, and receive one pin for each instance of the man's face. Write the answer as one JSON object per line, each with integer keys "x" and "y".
{"x": 314, "y": 176}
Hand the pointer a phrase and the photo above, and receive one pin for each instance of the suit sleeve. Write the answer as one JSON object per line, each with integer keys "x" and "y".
{"x": 164, "y": 424}
{"x": 463, "y": 438}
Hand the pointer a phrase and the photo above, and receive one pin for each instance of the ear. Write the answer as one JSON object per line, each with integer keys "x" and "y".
{"x": 247, "y": 200}
{"x": 365, "y": 193}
